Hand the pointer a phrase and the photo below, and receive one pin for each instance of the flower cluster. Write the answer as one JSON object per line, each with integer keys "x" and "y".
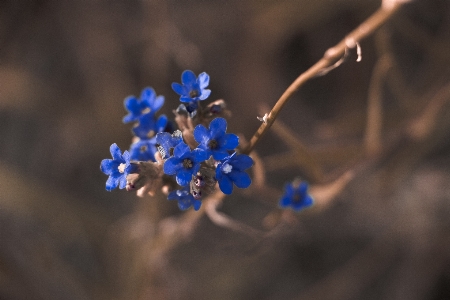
{"x": 189, "y": 161}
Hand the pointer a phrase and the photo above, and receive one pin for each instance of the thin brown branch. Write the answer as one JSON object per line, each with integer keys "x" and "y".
{"x": 324, "y": 194}
{"x": 425, "y": 123}
{"x": 331, "y": 56}
{"x": 259, "y": 172}
{"x": 223, "y": 220}
{"x": 372, "y": 139}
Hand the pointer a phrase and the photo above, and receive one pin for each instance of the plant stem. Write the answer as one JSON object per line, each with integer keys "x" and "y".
{"x": 333, "y": 54}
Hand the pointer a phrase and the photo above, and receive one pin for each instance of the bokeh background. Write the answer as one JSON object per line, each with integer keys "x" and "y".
{"x": 65, "y": 68}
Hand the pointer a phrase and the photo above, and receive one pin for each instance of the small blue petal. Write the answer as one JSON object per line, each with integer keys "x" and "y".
{"x": 226, "y": 185}
{"x": 188, "y": 77}
{"x": 219, "y": 155}
{"x": 230, "y": 141}
{"x": 186, "y": 99}
{"x": 219, "y": 173}
{"x": 289, "y": 190}
{"x": 303, "y": 187}
{"x": 172, "y": 165}
{"x": 106, "y": 166}
{"x": 199, "y": 155}
{"x": 308, "y": 200}
{"x": 241, "y": 179}
{"x": 205, "y": 94}
{"x": 201, "y": 134}
{"x": 111, "y": 183}
{"x": 115, "y": 152}
{"x": 183, "y": 205}
{"x": 122, "y": 182}
{"x": 126, "y": 157}
{"x": 184, "y": 177}
{"x": 132, "y": 105}
{"x": 158, "y": 103}
{"x": 242, "y": 162}
{"x": 197, "y": 204}
{"x": 161, "y": 123}
{"x": 285, "y": 201}
{"x": 181, "y": 150}
{"x": 178, "y": 88}
{"x": 203, "y": 80}
{"x": 218, "y": 127}
{"x": 147, "y": 96}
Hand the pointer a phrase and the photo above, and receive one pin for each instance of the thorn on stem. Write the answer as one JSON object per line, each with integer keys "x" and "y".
{"x": 263, "y": 119}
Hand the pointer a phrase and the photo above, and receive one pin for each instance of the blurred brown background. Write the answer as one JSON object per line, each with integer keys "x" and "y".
{"x": 65, "y": 68}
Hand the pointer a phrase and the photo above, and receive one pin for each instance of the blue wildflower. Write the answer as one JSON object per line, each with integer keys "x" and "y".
{"x": 231, "y": 170}
{"x": 215, "y": 141}
{"x": 296, "y": 196}
{"x": 184, "y": 163}
{"x": 143, "y": 150}
{"x": 117, "y": 168}
{"x": 192, "y": 88}
{"x": 185, "y": 199}
{"x": 148, "y": 103}
{"x": 148, "y": 126}
{"x": 168, "y": 141}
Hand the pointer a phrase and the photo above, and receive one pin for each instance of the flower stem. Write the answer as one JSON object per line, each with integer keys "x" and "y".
{"x": 333, "y": 54}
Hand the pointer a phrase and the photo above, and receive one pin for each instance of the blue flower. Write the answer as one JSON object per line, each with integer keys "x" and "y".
{"x": 192, "y": 88}
{"x": 215, "y": 141}
{"x": 189, "y": 109}
{"x": 231, "y": 170}
{"x": 185, "y": 199}
{"x": 168, "y": 141}
{"x": 184, "y": 163}
{"x": 143, "y": 150}
{"x": 296, "y": 196}
{"x": 117, "y": 168}
{"x": 148, "y": 103}
{"x": 149, "y": 126}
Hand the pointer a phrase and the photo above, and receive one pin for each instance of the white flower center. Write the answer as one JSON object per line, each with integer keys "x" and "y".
{"x": 227, "y": 168}
{"x": 121, "y": 168}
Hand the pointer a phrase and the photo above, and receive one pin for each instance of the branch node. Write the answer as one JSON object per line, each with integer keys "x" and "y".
{"x": 326, "y": 70}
